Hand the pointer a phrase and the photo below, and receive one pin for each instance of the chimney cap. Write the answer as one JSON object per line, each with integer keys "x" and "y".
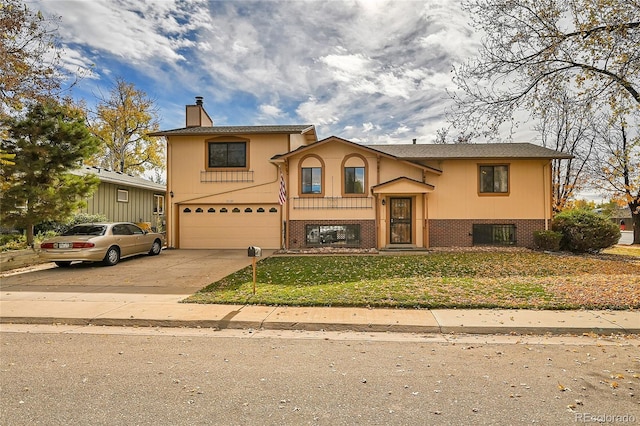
{"x": 199, "y": 100}
{"x": 414, "y": 141}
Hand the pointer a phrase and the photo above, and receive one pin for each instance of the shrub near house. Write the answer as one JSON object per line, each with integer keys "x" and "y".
{"x": 585, "y": 231}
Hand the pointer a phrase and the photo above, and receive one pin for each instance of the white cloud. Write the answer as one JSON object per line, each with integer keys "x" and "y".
{"x": 135, "y": 31}
{"x": 270, "y": 110}
{"x": 342, "y": 65}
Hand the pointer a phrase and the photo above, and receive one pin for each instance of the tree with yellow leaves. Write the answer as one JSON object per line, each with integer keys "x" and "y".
{"x": 122, "y": 122}
{"x": 29, "y": 56}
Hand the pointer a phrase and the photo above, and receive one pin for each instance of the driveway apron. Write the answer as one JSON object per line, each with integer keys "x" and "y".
{"x": 171, "y": 276}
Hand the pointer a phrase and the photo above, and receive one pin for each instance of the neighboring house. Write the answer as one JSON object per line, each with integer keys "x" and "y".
{"x": 225, "y": 183}
{"x": 125, "y": 198}
{"x": 621, "y": 216}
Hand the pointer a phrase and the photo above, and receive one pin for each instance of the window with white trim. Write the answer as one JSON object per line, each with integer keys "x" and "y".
{"x": 123, "y": 196}
{"x": 158, "y": 204}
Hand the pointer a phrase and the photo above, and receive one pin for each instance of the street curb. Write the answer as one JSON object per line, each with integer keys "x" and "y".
{"x": 320, "y": 326}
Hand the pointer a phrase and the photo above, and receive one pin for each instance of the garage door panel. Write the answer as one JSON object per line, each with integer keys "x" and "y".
{"x": 238, "y": 230}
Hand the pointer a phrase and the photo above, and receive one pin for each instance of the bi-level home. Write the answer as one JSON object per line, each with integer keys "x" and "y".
{"x": 280, "y": 187}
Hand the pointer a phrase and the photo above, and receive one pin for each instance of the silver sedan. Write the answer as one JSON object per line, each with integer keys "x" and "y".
{"x": 100, "y": 242}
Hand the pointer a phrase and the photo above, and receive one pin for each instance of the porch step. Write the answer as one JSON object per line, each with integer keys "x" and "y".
{"x": 403, "y": 247}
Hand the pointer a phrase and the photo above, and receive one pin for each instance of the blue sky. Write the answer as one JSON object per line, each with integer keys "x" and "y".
{"x": 369, "y": 71}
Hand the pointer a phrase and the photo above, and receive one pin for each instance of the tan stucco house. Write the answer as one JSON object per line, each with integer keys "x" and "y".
{"x": 225, "y": 185}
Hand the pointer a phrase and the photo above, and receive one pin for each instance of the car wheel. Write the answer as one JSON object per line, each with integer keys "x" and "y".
{"x": 156, "y": 248}
{"x": 63, "y": 264}
{"x": 112, "y": 257}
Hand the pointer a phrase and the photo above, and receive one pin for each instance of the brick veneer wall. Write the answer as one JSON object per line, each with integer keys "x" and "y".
{"x": 458, "y": 232}
{"x": 298, "y": 238}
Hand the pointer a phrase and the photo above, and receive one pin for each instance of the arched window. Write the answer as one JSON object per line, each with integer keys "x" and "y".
{"x": 354, "y": 175}
{"x": 311, "y": 175}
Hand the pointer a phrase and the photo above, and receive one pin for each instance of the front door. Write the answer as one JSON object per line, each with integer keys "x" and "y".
{"x": 400, "y": 220}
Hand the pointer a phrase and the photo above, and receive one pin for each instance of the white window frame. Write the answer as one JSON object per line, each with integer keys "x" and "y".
{"x": 122, "y": 196}
{"x": 159, "y": 204}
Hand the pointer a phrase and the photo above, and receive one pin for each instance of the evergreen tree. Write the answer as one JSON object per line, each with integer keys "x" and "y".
{"x": 50, "y": 141}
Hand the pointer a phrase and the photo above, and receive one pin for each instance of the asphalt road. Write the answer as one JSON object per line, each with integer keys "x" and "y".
{"x": 116, "y": 376}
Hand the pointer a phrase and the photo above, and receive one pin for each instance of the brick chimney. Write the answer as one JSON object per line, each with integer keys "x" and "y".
{"x": 196, "y": 116}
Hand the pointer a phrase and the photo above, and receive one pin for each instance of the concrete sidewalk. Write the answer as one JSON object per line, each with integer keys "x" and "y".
{"x": 146, "y": 313}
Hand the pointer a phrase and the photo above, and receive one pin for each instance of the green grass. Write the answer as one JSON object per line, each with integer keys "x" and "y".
{"x": 436, "y": 280}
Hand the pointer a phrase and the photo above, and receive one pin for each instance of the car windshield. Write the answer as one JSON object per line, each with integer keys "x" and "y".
{"x": 86, "y": 230}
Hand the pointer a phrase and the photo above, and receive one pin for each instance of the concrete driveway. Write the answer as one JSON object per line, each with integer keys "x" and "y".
{"x": 171, "y": 276}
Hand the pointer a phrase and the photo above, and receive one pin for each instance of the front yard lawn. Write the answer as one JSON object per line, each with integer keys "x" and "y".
{"x": 509, "y": 279}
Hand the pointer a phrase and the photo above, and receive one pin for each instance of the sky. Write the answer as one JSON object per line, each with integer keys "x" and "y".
{"x": 369, "y": 71}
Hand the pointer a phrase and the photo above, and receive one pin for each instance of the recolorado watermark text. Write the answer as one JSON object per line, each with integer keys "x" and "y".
{"x": 604, "y": 418}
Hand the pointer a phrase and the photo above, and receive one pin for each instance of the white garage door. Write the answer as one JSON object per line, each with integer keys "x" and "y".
{"x": 230, "y": 226}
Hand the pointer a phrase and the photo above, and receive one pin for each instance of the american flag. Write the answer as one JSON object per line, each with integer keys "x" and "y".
{"x": 282, "y": 197}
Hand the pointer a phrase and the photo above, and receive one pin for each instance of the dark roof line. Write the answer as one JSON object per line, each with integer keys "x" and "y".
{"x": 367, "y": 147}
{"x": 452, "y": 151}
{"x": 227, "y": 130}
{"x": 120, "y": 178}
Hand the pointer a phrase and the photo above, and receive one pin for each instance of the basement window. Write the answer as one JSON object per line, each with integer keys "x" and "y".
{"x": 333, "y": 235}
{"x": 494, "y": 235}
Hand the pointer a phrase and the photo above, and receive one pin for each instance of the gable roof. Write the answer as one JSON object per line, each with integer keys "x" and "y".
{"x": 415, "y": 185}
{"x": 417, "y": 152}
{"x": 229, "y": 130}
{"x": 119, "y": 178}
{"x": 370, "y": 148}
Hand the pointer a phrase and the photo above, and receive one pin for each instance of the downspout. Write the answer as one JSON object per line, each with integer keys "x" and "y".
{"x": 376, "y": 200}
{"x": 169, "y": 210}
{"x": 379, "y": 229}
{"x": 285, "y": 207}
{"x": 547, "y": 193}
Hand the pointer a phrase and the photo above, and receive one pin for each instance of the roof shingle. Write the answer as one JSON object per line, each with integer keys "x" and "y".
{"x": 451, "y": 151}
{"x": 228, "y": 130}
{"x": 119, "y": 178}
